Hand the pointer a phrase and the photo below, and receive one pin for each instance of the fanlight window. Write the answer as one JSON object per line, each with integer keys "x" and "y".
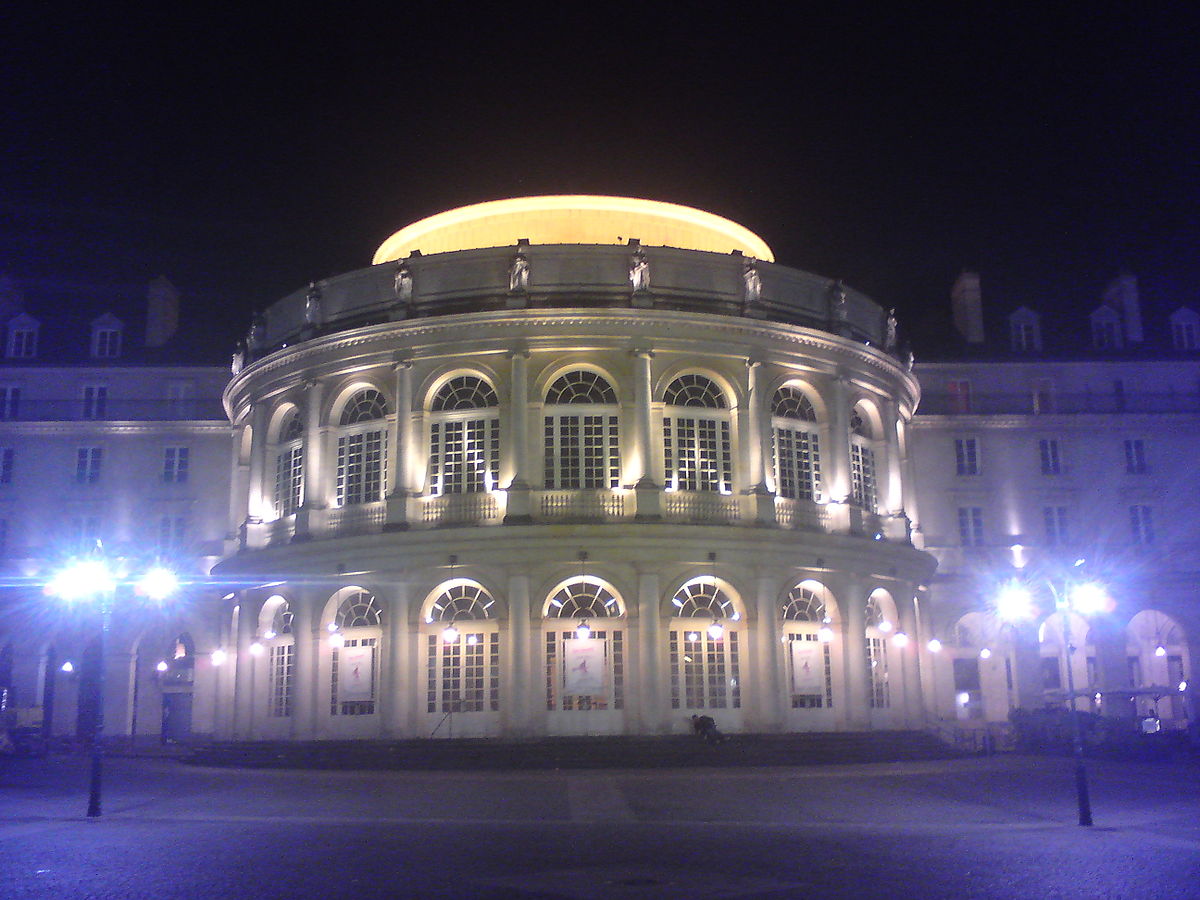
{"x": 581, "y": 387}
{"x": 583, "y": 599}
{"x": 858, "y": 425}
{"x": 462, "y": 602}
{"x": 292, "y": 430}
{"x": 804, "y": 605}
{"x": 465, "y": 392}
{"x": 790, "y": 403}
{"x": 360, "y": 609}
{"x": 695, "y": 391}
{"x": 874, "y": 614}
{"x": 365, "y": 406}
{"x": 703, "y": 599}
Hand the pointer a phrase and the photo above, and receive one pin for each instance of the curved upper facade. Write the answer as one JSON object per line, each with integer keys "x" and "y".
{"x": 572, "y": 219}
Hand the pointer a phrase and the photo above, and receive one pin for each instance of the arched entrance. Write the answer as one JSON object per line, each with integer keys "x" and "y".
{"x": 704, "y": 642}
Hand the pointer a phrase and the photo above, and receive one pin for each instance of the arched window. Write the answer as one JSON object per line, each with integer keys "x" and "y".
{"x": 275, "y": 623}
{"x": 878, "y": 629}
{"x": 289, "y": 465}
{"x": 796, "y": 445}
{"x": 464, "y": 437}
{"x": 806, "y": 632}
{"x": 581, "y": 446}
{"x": 705, "y": 656}
{"x": 862, "y": 462}
{"x": 462, "y": 663}
{"x": 362, "y": 449}
{"x": 355, "y": 660}
{"x": 585, "y": 665}
{"x": 697, "y": 447}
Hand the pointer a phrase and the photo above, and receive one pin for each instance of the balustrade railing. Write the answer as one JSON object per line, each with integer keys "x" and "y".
{"x": 281, "y": 530}
{"x": 1041, "y": 404}
{"x": 586, "y": 504}
{"x": 701, "y": 508}
{"x": 361, "y": 518}
{"x": 802, "y": 514}
{"x": 455, "y": 509}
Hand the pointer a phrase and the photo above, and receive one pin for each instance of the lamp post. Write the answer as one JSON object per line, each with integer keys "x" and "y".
{"x": 94, "y": 579}
{"x": 1015, "y": 603}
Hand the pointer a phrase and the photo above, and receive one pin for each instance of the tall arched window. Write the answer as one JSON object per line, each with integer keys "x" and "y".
{"x": 704, "y": 646}
{"x": 464, "y": 437}
{"x": 697, "y": 447}
{"x": 585, "y": 654}
{"x": 796, "y": 445}
{"x": 462, "y": 664}
{"x": 275, "y": 624}
{"x": 354, "y": 681}
{"x": 581, "y": 448}
{"x": 862, "y": 462}
{"x": 807, "y": 615}
{"x": 362, "y": 449}
{"x": 289, "y": 465}
{"x": 878, "y": 628}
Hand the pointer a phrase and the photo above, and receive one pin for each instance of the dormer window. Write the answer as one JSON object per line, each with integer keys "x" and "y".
{"x": 1185, "y": 329}
{"x": 22, "y": 338}
{"x": 1106, "y": 329}
{"x": 106, "y": 337}
{"x": 1025, "y": 331}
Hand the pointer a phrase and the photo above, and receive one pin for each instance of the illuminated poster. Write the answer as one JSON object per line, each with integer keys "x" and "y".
{"x": 584, "y": 667}
{"x": 808, "y": 667}
{"x": 354, "y": 673}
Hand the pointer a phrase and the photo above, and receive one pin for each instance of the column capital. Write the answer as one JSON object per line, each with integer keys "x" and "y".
{"x": 400, "y": 362}
{"x": 518, "y": 353}
{"x": 642, "y": 353}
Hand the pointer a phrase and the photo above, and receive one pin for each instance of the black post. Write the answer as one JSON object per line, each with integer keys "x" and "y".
{"x": 93, "y": 809}
{"x": 1081, "y": 785}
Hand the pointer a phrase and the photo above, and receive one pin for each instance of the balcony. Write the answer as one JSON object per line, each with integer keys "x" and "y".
{"x": 700, "y": 508}
{"x": 586, "y": 505}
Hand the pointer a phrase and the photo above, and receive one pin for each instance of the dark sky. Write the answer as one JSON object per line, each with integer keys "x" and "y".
{"x": 243, "y": 156}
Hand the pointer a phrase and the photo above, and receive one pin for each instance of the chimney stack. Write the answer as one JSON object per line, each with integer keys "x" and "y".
{"x": 162, "y": 312}
{"x": 966, "y": 301}
{"x": 1121, "y": 294}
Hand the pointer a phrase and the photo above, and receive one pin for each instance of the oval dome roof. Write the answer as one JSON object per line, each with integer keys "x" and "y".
{"x": 572, "y": 219}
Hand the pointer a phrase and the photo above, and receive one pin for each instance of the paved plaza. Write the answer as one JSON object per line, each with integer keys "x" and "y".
{"x": 1002, "y": 827}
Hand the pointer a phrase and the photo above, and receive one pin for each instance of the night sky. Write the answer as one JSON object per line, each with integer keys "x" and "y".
{"x": 243, "y": 156}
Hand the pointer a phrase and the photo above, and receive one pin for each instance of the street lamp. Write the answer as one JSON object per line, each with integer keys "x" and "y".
{"x": 94, "y": 580}
{"x": 1015, "y": 602}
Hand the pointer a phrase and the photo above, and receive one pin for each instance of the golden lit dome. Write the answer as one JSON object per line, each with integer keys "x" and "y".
{"x": 572, "y": 219}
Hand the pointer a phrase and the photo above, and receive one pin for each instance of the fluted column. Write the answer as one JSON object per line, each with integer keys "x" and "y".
{"x": 755, "y": 437}
{"x": 315, "y": 480}
{"x": 909, "y": 669}
{"x": 519, "y": 510}
{"x": 893, "y": 495}
{"x": 520, "y": 661}
{"x": 649, "y": 499}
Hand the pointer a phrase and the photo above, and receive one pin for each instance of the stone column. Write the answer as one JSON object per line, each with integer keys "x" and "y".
{"x": 401, "y": 449}
{"x": 316, "y": 479}
{"x": 1112, "y": 671}
{"x": 260, "y": 495}
{"x": 768, "y": 633}
{"x": 306, "y": 646}
{"x": 1027, "y": 677}
{"x": 398, "y": 694}
{"x": 520, "y": 657}
{"x": 893, "y": 493}
{"x": 519, "y": 509}
{"x": 652, "y": 701}
{"x": 914, "y": 707}
{"x": 757, "y": 439}
{"x": 243, "y": 687}
{"x": 854, "y": 654}
{"x": 648, "y": 490}
{"x": 835, "y": 459}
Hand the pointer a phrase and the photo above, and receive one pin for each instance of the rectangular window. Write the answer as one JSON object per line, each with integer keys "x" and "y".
{"x": 1055, "y": 518}
{"x": 10, "y": 402}
{"x": 966, "y": 456}
{"x": 172, "y": 534}
{"x": 958, "y": 393}
{"x": 970, "y": 526}
{"x": 1043, "y": 396}
{"x": 22, "y": 343}
{"x": 699, "y": 454}
{"x": 581, "y": 452}
{"x": 360, "y": 468}
{"x": 464, "y": 456}
{"x": 106, "y": 343}
{"x": 1051, "y": 456}
{"x": 797, "y": 464}
{"x": 95, "y": 401}
{"x": 862, "y": 476}
{"x": 1023, "y": 337}
{"x": 175, "y": 465}
{"x": 1141, "y": 524}
{"x": 877, "y": 673}
{"x": 87, "y": 465}
{"x": 1186, "y": 336}
{"x": 354, "y": 707}
{"x": 282, "y": 670}
{"x": 7, "y": 457}
{"x": 1106, "y": 336}
{"x": 1135, "y": 457}
{"x": 289, "y": 481}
